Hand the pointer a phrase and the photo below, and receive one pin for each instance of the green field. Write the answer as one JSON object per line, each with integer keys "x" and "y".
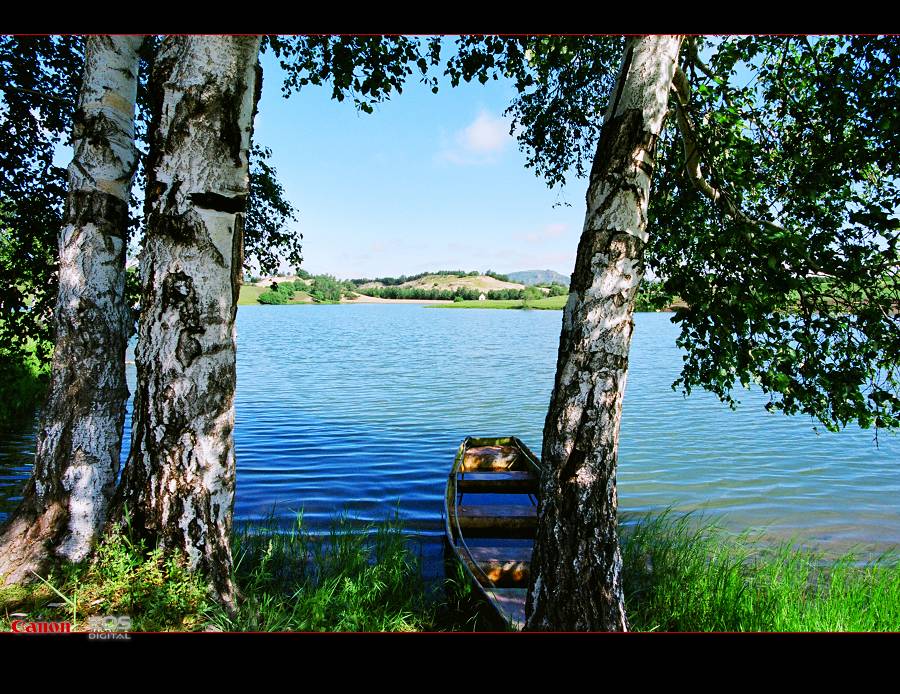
{"x": 547, "y": 303}
{"x": 250, "y": 293}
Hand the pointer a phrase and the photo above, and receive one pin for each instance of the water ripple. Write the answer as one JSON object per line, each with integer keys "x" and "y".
{"x": 357, "y": 407}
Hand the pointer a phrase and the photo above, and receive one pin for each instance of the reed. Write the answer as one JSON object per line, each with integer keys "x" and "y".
{"x": 687, "y": 574}
{"x": 357, "y": 577}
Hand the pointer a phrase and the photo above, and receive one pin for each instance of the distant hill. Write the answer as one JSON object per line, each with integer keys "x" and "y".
{"x": 529, "y": 277}
{"x": 449, "y": 281}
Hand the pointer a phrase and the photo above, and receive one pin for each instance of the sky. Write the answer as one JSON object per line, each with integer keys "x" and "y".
{"x": 426, "y": 182}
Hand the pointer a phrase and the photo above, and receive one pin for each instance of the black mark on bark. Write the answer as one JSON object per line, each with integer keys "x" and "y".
{"x": 221, "y": 203}
{"x": 573, "y": 464}
{"x": 107, "y": 212}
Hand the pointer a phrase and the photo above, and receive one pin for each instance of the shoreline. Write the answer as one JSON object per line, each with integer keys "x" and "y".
{"x": 344, "y": 302}
{"x": 365, "y": 299}
{"x": 435, "y": 303}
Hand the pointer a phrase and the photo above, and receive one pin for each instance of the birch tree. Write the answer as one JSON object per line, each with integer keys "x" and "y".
{"x": 79, "y": 439}
{"x": 40, "y": 78}
{"x": 27, "y": 65}
{"x": 577, "y": 566}
{"x": 177, "y": 487}
{"x": 773, "y": 214}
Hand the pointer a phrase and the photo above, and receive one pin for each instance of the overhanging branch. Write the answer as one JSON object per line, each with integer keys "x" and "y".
{"x": 692, "y": 164}
{"x": 691, "y": 151}
{"x": 703, "y": 67}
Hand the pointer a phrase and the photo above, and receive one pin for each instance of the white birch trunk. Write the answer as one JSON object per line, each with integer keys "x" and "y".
{"x": 576, "y": 579}
{"x": 80, "y": 434}
{"x": 178, "y": 483}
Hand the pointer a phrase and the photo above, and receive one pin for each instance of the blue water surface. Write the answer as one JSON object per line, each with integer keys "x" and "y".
{"x": 359, "y": 407}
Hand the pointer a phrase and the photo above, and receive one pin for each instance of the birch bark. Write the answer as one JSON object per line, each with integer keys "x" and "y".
{"x": 576, "y": 579}
{"x": 178, "y": 484}
{"x": 80, "y": 433}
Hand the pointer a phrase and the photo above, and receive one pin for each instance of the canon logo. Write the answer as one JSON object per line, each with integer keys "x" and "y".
{"x": 20, "y": 626}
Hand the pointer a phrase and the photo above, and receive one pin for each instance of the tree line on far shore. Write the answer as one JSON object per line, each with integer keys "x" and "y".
{"x": 651, "y": 296}
{"x": 324, "y": 289}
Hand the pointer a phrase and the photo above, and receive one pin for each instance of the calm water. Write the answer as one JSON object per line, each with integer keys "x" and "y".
{"x": 357, "y": 407}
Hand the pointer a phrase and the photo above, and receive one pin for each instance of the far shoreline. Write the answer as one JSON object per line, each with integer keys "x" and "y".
{"x": 365, "y": 299}
{"x": 344, "y": 302}
{"x": 513, "y": 304}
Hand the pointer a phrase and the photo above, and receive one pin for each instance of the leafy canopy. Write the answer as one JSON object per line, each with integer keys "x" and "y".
{"x": 39, "y": 82}
{"x": 40, "y": 79}
{"x": 367, "y": 69}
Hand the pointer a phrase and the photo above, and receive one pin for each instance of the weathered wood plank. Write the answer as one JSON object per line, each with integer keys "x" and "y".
{"x": 519, "y": 554}
{"x": 498, "y": 482}
{"x": 501, "y": 511}
{"x": 498, "y": 521}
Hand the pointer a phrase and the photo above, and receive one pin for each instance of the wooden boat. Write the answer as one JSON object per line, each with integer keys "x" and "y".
{"x": 490, "y": 516}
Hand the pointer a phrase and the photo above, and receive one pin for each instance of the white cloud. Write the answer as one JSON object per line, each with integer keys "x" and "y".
{"x": 480, "y": 142}
{"x": 547, "y": 232}
{"x": 486, "y": 134}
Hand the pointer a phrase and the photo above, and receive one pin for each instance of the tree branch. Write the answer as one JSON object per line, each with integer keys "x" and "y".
{"x": 35, "y": 92}
{"x": 691, "y": 152}
{"x": 815, "y": 57}
{"x": 692, "y": 163}
{"x": 704, "y": 68}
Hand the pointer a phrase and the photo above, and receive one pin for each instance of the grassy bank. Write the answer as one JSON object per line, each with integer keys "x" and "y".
{"x": 684, "y": 575}
{"x": 547, "y": 303}
{"x": 680, "y": 575}
{"x": 289, "y": 581}
{"x": 250, "y": 294}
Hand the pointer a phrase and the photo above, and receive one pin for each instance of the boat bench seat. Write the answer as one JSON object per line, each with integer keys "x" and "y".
{"x": 497, "y": 482}
{"x": 489, "y": 458}
{"x": 497, "y": 520}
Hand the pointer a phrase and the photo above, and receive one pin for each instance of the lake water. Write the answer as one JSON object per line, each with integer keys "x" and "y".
{"x": 359, "y": 407}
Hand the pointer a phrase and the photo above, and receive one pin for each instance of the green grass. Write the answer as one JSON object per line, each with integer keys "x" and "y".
{"x": 249, "y": 294}
{"x": 124, "y": 578}
{"x": 348, "y": 581}
{"x": 354, "y": 579}
{"x": 683, "y": 574}
{"x": 547, "y": 303}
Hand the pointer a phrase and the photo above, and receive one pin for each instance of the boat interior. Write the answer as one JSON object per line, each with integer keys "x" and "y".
{"x": 492, "y": 519}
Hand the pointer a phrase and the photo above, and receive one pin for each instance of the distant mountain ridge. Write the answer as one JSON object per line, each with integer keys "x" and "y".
{"x": 529, "y": 277}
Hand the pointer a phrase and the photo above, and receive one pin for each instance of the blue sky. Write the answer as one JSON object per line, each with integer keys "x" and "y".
{"x": 426, "y": 182}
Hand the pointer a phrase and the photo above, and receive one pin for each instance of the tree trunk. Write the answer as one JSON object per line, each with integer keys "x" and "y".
{"x": 80, "y": 434}
{"x": 178, "y": 484}
{"x": 576, "y": 567}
